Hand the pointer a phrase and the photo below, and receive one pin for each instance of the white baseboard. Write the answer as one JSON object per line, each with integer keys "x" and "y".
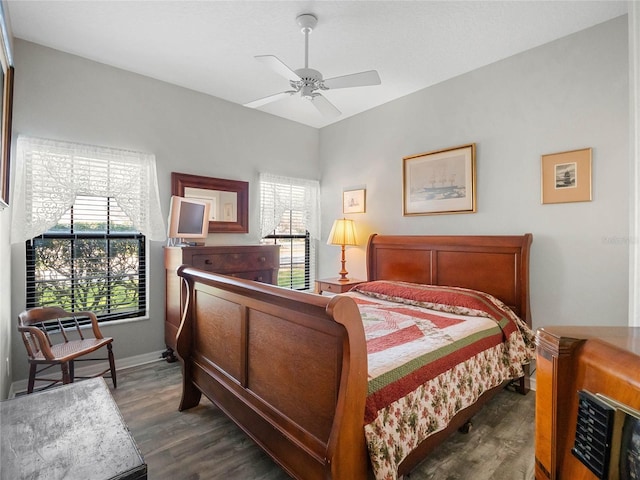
{"x": 121, "y": 364}
{"x": 138, "y": 360}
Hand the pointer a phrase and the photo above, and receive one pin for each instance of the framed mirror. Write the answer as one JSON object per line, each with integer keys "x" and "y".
{"x": 229, "y": 200}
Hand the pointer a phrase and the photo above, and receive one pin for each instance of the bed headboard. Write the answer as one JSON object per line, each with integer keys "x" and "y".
{"x": 495, "y": 264}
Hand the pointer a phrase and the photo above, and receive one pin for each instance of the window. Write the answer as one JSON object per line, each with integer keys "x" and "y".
{"x": 290, "y": 218}
{"x": 86, "y": 213}
{"x": 295, "y": 253}
{"x": 92, "y": 259}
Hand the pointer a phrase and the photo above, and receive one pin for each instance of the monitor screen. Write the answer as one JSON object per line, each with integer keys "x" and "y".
{"x": 190, "y": 219}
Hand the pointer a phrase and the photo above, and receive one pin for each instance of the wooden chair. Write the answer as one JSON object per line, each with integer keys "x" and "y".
{"x": 37, "y": 325}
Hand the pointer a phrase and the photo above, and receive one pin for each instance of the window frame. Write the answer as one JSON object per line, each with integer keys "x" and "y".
{"x": 307, "y": 256}
{"x": 142, "y": 290}
{"x": 299, "y": 197}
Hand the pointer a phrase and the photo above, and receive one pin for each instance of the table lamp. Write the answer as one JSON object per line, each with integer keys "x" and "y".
{"x": 343, "y": 232}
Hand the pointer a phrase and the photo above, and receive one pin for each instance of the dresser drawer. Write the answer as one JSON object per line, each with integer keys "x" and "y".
{"x": 233, "y": 262}
{"x": 263, "y": 276}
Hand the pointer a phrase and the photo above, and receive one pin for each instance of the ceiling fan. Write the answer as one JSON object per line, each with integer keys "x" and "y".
{"x": 307, "y": 81}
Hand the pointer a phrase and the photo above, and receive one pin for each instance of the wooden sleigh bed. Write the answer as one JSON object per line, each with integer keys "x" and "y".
{"x": 291, "y": 368}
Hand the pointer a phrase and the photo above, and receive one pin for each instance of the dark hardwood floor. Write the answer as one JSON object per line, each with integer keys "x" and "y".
{"x": 202, "y": 443}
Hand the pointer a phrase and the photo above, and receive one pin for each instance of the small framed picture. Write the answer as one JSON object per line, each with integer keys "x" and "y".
{"x": 353, "y": 201}
{"x": 566, "y": 176}
{"x": 440, "y": 182}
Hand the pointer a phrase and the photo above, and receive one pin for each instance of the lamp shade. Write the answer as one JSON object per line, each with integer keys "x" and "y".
{"x": 343, "y": 232}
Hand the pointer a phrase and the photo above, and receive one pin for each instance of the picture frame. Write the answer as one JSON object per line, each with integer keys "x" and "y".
{"x": 440, "y": 182}
{"x": 353, "y": 201}
{"x": 6, "y": 112}
{"x": 566, "y": 176}
{"x": 229, "y": 200}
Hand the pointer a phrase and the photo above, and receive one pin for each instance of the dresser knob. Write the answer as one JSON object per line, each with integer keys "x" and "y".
{"x": 207, "y": 262}
{"x": 262, "y": 259}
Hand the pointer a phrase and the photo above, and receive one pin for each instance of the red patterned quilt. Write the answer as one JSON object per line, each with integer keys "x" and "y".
{"x": 432, "y": 351}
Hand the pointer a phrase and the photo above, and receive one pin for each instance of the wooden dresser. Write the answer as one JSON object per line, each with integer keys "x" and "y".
{"x": 597, "y": 359}
{"x": 253, "y": 262}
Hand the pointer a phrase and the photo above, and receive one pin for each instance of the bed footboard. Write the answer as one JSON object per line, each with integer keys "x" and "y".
{"x": 288, "y": 368}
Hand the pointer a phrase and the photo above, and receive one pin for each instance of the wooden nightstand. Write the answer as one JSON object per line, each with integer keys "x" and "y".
{"x": 334, "y": 285}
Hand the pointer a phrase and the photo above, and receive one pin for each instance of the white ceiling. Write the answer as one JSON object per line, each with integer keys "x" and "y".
{"x": 208, "y": 46}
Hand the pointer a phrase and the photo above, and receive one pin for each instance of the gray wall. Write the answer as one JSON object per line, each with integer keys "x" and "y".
{"x": 566, "y": 95}
{"x": 65, "y": 97}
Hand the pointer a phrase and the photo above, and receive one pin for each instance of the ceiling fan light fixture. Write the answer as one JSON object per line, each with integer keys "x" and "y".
{"x": 307, "y": 92}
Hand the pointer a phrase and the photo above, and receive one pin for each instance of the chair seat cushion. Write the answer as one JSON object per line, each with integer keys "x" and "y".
{"x": 64, "y": 352}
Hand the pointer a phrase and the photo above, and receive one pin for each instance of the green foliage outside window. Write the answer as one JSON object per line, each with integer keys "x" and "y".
{"x": 87, "y": 274}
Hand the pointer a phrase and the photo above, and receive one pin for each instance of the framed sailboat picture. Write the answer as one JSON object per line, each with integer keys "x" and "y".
{"x": 566, "y": 176}
{"x": 443, "y": 181}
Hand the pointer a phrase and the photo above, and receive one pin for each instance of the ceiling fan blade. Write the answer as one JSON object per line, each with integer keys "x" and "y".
{"x": 324, "y": 106}
{"x": 275, "y": 64}
{"x": 361, "y": 79}
{"x": 271, "y": 98}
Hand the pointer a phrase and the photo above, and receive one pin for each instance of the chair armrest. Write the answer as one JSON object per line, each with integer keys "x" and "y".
{"x": 43, "y": 343}
{"x": 94, "y": 322}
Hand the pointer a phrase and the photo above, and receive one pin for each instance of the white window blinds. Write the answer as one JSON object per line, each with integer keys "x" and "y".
{"x": 291, "y": 206}
{"x": 50, "y": 174}
{"x": 93, "y": 259}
